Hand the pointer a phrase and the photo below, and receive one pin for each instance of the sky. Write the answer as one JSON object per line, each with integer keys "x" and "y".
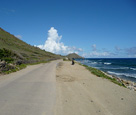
{"x": 90, "y": 28}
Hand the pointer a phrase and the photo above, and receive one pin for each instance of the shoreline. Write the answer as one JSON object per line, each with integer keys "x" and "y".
{"x": 123, "y": 78}
{"x": 127, "y": 83}
{"x": 123, "y": 68}
{"x": 79, "y": 92}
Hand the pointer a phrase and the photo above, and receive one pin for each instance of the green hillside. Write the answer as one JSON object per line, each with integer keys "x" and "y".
{"x": 22, "y": 50}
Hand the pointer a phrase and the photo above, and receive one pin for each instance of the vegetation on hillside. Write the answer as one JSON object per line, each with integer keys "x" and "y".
{"x": 22, "y": 49}
{"x": 14, "y": 53}
{"x": 6, "y": 55}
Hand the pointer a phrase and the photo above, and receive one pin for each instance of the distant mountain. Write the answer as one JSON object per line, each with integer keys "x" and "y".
{"x": 20, "y": 50}
{"x": 74, "y": 55}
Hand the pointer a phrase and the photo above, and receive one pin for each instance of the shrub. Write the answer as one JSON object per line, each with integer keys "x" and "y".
{"x": 6, "y": 55}
{"x": 8, "y": 59}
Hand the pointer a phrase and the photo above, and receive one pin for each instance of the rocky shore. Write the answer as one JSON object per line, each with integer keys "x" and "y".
{"x": 128, "y": 84}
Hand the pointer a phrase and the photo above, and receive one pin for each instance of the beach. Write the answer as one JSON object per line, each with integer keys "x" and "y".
{"x": 81, "y": 93}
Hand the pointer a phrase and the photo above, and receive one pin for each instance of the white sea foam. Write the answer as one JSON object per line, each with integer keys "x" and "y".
{"x": 93, "y": 62}
{"x": 112, "y": 72}
{"x": 122, "y": 74}
{"x": 133, "y": 68}
{"x": 107, "y": 63}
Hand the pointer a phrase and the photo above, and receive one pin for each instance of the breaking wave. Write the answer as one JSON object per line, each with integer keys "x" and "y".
{"x": 107, "y": 63}
{"x": 122, "y": 74}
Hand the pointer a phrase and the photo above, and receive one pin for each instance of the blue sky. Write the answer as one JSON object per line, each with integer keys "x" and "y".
{"x": 91, "y": 28}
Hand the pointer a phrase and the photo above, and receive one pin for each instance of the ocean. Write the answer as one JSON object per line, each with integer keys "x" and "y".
{"x": 124, "y": 68}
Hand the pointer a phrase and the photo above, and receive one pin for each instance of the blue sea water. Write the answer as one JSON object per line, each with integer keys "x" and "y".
{"x": 124, "y": 68}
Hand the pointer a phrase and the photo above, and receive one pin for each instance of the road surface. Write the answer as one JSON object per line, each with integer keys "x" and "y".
{"x": 31, "y": 91}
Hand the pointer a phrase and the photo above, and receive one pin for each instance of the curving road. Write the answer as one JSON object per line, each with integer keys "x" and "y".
{"x": 31, "y": 91}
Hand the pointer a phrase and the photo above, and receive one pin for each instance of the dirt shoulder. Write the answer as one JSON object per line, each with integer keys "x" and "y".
{"x": 81, "y": 93}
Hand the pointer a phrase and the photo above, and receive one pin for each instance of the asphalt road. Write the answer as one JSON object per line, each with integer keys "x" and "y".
{"x": 29, "y": 92}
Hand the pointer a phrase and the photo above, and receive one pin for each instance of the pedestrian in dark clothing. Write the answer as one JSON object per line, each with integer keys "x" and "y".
{"x": 73, "y": 61}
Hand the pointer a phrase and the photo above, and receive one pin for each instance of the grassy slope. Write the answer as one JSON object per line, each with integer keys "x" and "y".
{"x": 99, "y": 73}
{"x": 22, "y": 49}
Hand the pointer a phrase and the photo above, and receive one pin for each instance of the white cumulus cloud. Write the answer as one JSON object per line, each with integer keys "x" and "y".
{"x": 53, "y": 44}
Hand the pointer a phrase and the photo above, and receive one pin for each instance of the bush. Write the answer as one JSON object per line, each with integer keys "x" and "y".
{"x": 8, "y": 59}
{"x": 6, "y": 55}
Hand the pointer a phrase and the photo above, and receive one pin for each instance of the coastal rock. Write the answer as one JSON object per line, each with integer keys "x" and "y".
{"x": 134, "y": 88}
{"x": 130, "y": 87}
{"x": 118, "y": 79}
{"x": 128, "y": 84}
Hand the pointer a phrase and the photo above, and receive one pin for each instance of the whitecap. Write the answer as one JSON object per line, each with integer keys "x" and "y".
{"x": 111, "y": 72}
{"x": 122, "y": 74}
{"x": 133, "y": 68}
{"x": 93, "y": 62}
{"x": 107, "y": 63}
